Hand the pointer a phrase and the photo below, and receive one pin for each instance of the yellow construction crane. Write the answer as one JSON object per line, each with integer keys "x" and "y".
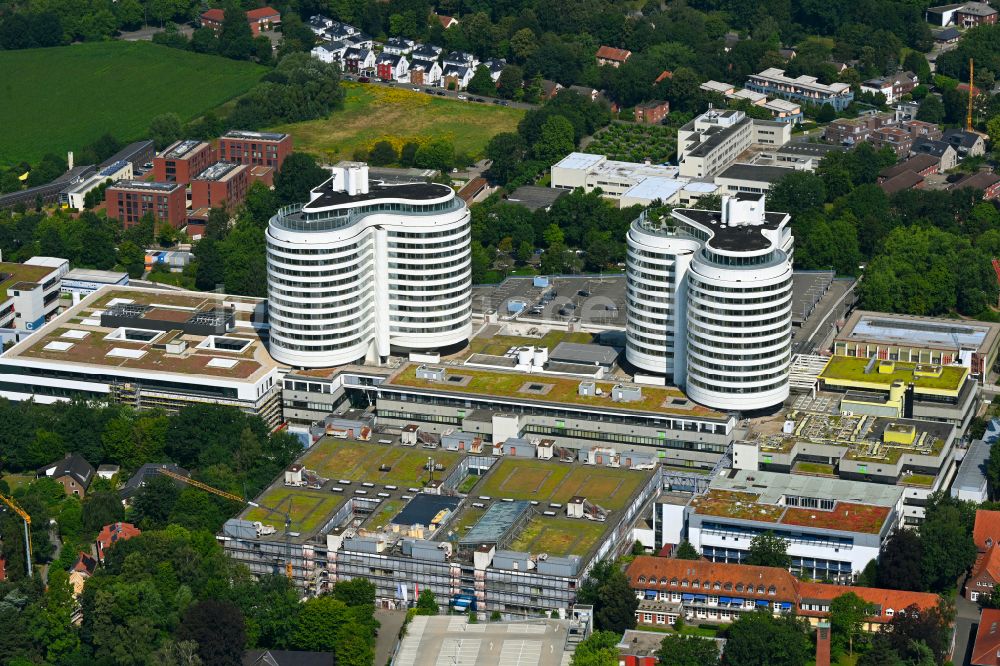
{"x": 972, "y": 90}
{"x": 9, "y": 501}
{"x": 242, "y": 500}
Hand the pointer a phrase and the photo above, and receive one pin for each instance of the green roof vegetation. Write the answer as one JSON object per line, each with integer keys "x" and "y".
{"x": 852, "y": 369}
{"x": 12, "y": 273}
{"x": 813, "y": 468}
{"x": 549, "y": 481}
{"x": 734, "y": 504}
{"x": 309, "y": 509}
{"x": 376, "y": 463}
{"x": 385, "y": 512}
{"x": 564, "y": 390}
{"x": 559, "y": 536}
{"x": 498, "y": 345}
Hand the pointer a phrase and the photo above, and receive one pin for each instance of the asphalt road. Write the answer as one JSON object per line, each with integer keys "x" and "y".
{"x": 966, "y": 624}
{"x": 446, "y": 93}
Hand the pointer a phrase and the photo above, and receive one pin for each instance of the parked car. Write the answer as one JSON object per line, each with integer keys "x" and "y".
{"x": 496, "y": 101}
{"x": 462, "y": 97}
{"x": 428, "y": 91}
{"x": 415, "y": 89}
{"x": 363, "y": 79}
{"x": 504, "y": 103}
{"x": 441, "y": 93}
{"x": 478, "y": 99}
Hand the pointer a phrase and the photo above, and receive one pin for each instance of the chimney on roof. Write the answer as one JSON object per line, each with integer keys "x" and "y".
{"x": 823, "y": 643}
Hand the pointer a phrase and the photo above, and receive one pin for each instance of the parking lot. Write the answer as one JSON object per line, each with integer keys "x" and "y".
{"x": 587, "y": 299}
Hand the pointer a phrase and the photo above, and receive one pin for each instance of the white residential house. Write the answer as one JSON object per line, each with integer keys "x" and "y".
{"x": 425, "y": 72}
{"x": 460, "y": 59}
{"x": 398, "y": 46}
{"x": 318, "y": 24}
{"x": 359, "y": 61}
{"x": 426, "y": 52}
{"x": 338, "y": 32}
{"x": 391, "y": 67}
{"x": 360, "y": 40}
{"x": 457, "y": 75}
{"x": 495, "y": 65}
{"x": 332, "y": 53}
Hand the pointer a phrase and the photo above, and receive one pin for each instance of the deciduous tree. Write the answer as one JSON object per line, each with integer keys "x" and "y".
{"x": 769, "y": 550}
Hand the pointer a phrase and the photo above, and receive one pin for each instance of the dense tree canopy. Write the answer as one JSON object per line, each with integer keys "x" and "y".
{"x": 608, "y": 590}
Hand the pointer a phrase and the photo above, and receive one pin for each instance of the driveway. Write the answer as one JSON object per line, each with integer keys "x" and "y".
{"x": 388, "y": 634}
{"x": 966, "y": 624}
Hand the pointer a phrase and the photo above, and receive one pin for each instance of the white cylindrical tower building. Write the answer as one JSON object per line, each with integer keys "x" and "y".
{"x": 729, "y": 298}
{"x": 656, "y": 293}
{"x": 363, "y": 269}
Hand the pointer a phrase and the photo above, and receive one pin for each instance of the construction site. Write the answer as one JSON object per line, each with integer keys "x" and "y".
{"x": 483, "y": 530}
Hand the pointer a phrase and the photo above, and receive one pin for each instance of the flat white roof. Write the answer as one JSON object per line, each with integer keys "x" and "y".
{"x": 716, "y": 86}
{"x": 748, "y": 95}
{"x": 701, "y": 186}
{"x": 58, "y": 346}
{"x": 94, "y": 275}
{"x": 51, "y": 262}
{"x": 782, "y": 105}
{"x": 656, "y": 187}
{"x": 122, "y": 352}
{"x": 579, "y": 161}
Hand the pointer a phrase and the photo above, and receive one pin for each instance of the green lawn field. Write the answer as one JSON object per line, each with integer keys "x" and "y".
{"x": 61, "y": 99}
{"x": 373, "y": 112}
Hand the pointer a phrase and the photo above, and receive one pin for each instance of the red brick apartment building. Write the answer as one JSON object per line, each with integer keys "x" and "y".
{"x": 652, "y": 113}
{"x": 255, "y": 148}
{"x": 128, "y": 200}
{"x": 181, "y": 161}
{"x": 263, "y": 18}
{"x": 222, "y": 184}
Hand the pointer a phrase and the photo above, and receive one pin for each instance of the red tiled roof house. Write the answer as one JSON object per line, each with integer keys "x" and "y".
{"x": 721, "y": 592}
{"x": 986, "y": 571}
{"x": 609, "y": 55}
{"x": 112, "y": 534}
{"x": 986, "y": 650}
{"x": 263, "y": 18}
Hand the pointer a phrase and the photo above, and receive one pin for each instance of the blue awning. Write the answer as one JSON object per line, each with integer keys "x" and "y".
{"x": 724, "y": 600}
{"x": 785, "y": 605}
{"x": 701, "y": 598}
{"x": 687, "y": 597}
{"x": 761, "y": 602}
{"x": 738, "y": 602}
{"x": 650, "y": 594}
